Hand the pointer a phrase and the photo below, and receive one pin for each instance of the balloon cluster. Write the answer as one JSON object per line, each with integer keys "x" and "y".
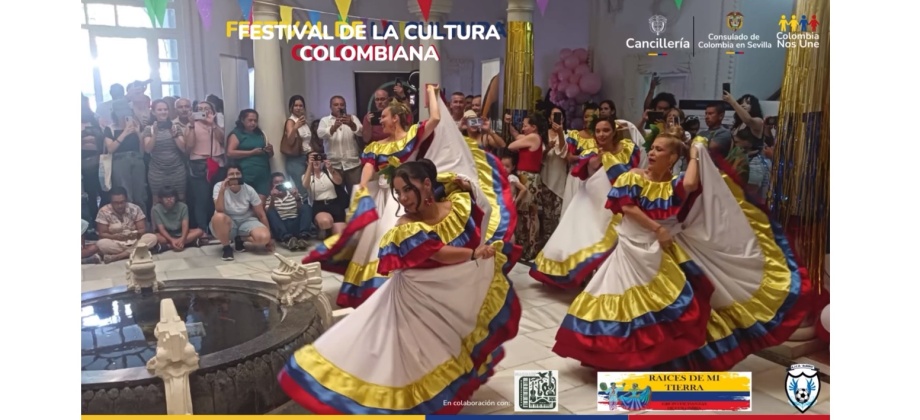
{"x": 572, "y": 81}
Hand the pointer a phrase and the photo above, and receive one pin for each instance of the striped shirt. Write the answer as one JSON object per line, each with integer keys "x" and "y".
{"x": 287, "y": 206}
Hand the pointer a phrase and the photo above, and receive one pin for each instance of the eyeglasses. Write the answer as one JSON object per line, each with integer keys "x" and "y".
{"x": 692, "y": 118}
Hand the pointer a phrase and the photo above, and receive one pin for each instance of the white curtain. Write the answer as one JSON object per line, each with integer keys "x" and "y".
{"x": 234, "y": 75}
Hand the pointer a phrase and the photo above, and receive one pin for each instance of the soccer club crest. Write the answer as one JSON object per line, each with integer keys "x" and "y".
{"x": 802, "y": 386}
{"x": 734, "y": 20}
{"x": 657, "y": 24}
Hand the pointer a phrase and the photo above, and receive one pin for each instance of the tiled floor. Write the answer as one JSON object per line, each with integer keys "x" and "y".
{"x": 543, "y": 309}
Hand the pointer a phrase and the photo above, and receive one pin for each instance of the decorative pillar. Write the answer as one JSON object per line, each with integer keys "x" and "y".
{"x": 518, "y": 77}
{"x": 429, "y": 70}
{"x": 269, "y": 90}
{"x": 800, "y": 196}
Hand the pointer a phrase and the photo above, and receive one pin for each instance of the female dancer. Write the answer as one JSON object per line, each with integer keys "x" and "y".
{"x": 432, "y": 334}
{"x": 373, "y": 200}
{"x": 568, "y": 259}
{"x": 358, "y": 261}
{"x": 699, "y": 279}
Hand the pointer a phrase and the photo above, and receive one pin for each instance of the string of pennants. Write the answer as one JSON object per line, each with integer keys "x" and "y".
{"x": 289, "y": 14}
{"x": 157, "y": 11}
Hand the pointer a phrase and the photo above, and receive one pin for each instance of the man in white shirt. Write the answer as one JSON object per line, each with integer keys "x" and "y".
{"x": 341, "y": 133}
{"x": 238, "y": 214}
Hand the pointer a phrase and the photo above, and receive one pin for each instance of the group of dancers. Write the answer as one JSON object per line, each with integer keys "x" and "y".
{"x": 683, "y": 272}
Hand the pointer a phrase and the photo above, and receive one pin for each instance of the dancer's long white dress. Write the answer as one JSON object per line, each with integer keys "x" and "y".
{"x": 373, "y": 211}
{"x": 729, "y": 286}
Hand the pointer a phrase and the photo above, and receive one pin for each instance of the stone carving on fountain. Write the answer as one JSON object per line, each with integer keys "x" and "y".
{"x": 140, "y": 270}
{"x": 298, "y": 283}
{"x": 175, "y": 359}
{"x": 232, "y": 376}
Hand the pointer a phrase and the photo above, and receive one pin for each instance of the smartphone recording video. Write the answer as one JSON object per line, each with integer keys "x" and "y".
{"x": 199, "y": 115}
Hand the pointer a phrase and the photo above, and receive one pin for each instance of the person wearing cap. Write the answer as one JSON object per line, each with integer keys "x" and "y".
{"x": 479, "y": 131}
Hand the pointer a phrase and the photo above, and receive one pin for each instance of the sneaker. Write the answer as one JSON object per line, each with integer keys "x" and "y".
{"x": 291, "y": 244}
{"x": 202, "y": 242}
{"x": 239, "y": 245}
{"x": 228, "y": 253}
{"x": 303, "y": 244}
{"x": 93, "y": 259}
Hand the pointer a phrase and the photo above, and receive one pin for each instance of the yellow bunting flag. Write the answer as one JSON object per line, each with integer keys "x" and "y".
{"x": 402, "y": 31}
{"x": 287, "y": 18}
{"x": 343, "y": 6}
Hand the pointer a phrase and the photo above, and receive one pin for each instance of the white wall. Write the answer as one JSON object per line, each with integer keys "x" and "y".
{"x": 206, "y": 47}
{"x": 625, "y": 72}
{"x": 760, "y": 73}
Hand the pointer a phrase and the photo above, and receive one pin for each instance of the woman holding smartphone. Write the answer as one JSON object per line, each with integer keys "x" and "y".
{"x": 298, "y": 140}
{"x": 248, "y": 146}
{"x": 123, "y": 142}
{"x": 164, "y": 142}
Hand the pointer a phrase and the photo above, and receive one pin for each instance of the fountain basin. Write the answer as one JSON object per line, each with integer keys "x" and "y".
{"x": 243, "y": 337}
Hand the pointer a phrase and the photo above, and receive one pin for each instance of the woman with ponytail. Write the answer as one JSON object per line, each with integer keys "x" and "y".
{"x": 700, "y": 277}
{"x": 433, "y": 333}
{"x": 373, "y": 209}
{"x": 567, "y": 260}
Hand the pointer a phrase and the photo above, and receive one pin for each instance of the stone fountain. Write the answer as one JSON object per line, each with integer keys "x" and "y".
{"x": 201, "y": 346}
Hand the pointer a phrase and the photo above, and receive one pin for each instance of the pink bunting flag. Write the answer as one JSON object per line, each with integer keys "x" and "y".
{"x": 204, "y": 11}
{"x": 542, "y": 5}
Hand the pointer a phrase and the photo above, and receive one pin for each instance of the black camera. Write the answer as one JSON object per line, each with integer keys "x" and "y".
{"x": 318, "y": 157}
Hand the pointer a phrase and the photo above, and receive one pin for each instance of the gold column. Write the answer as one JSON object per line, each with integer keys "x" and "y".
{"x": 518, "y": 77}
{"x": 801, "y": 165}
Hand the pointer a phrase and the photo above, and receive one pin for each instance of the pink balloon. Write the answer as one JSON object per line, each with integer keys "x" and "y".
{"x": 564, "y": 74}
{"x": 572, "y": 90}
{"x": 564, "y": 53}
{"x": 571, "y": 62}
{"x": 581, "y": 54}
{"x": 590, "y": 83}
{"x": 574, "y": 78}
{"x": 582, "y": 97}
{"x": 559, "y": 66}
{"x": 582, "y": 69}
{"x": 563, "y": 84}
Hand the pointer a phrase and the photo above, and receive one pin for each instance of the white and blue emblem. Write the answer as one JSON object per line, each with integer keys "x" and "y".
{"x": 802, "y": 386}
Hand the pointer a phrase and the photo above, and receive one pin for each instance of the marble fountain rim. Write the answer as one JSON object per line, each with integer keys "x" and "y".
{"x": 294, "y": 323}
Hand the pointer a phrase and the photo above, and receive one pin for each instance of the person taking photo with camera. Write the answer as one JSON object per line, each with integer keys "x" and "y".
{"x": 290, "y": 220}
{"x": 328, "y": 198}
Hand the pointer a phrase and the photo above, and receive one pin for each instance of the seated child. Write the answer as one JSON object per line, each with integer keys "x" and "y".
{"x": 171, "y": 219}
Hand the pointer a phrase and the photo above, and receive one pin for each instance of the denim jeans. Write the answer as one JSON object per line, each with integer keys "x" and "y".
{"x": 300, "y": 226}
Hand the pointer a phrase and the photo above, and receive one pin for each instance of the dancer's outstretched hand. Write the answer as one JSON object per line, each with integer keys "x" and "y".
{"x": 484, "y": 251}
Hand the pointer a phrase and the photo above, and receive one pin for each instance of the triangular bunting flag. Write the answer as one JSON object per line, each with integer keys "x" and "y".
{"x": 159, "y": 10}
{"x": 246, "y": 8}
{"x": 541, "y": 4}
{"x": 678, "y": 3}
{"x": 204, "y": 11}
{"x": 287, "y": 17}
{"x": 402, "y": 30}
{"x": 314, "y": 16}
{"x": 343, "y": 6}
{"x": 425, "y": 7}
{"x": 148, "y": 4}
